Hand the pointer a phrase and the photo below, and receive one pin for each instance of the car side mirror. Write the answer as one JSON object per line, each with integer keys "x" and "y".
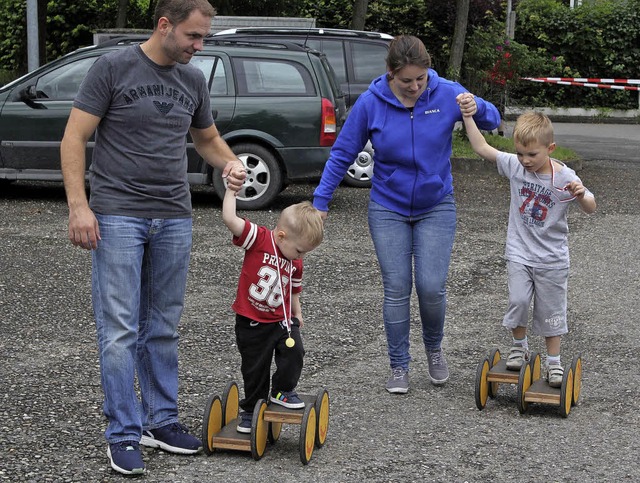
{"x": 28, "y": 94}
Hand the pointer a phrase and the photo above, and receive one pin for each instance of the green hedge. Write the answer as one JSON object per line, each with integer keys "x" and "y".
{"x": 601, "y": 38}
{"x": 70, "y": 24}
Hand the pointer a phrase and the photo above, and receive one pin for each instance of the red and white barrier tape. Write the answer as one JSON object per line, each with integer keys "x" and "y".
{"x": 600, "y": 83}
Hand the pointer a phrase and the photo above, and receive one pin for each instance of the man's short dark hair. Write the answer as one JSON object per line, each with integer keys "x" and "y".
{"x": 177, "y": 11}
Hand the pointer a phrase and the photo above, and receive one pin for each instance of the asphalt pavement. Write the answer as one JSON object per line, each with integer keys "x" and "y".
{"x": 51, "y": 422}
{"x": 619, "y": 142}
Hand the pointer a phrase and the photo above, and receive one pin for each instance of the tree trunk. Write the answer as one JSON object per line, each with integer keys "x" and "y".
{"x": 359, "y": 14}
{"x": 459, "y": 36}
{"x": 121, "y": 19}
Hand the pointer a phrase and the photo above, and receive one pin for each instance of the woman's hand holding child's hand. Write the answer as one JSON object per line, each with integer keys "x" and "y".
{"x": 467, "y": 103}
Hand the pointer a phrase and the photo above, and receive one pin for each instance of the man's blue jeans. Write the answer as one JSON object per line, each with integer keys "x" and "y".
{"x": 139, "y": 277}
{"x": 407, "y": 247}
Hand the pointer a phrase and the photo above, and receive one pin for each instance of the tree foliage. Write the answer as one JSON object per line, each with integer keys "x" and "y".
{"x": 70, "y": 24}
{"x": 601, "y": 38}
{"x": 262, "y": 8}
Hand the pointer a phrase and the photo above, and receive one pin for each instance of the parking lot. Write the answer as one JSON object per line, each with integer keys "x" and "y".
{"x": 51, "y": 423}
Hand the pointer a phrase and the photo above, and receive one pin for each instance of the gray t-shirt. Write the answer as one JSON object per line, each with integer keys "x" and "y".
{"x": 139, "y": 164}
{"x": 538, "y": 228}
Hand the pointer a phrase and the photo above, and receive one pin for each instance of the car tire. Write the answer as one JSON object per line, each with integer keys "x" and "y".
{"x": 264, "y": 177}
{"x": 360, "y": 172}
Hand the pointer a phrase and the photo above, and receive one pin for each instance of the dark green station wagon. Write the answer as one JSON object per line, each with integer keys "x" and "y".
{"x": 277, "y": 104}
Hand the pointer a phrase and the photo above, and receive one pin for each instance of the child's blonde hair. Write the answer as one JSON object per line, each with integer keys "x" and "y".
{"x": 302, "y": 221}
{"x": 533, "y": 127}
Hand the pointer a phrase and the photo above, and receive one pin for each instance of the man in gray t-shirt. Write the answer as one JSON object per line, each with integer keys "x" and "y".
{"x": 141, "y": 102}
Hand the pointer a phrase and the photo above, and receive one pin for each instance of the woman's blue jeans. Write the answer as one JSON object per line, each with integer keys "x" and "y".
{"x": 139, "y": 277}
{"x": 408, "y": 248}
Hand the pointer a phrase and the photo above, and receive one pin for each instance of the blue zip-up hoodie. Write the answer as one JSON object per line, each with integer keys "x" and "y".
{"x": 412, "y": 147}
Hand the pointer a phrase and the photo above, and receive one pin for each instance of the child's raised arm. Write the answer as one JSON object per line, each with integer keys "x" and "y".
{"x": 477, "y": 140}
{"x": 229, "y": 216}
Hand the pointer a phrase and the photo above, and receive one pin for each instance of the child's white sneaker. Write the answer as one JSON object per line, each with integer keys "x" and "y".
{"x": 554, "y": 376}
{"x": 518, "y": 355}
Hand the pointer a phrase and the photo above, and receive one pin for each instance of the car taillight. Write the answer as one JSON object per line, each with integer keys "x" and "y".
{"x": 328, "y": 127}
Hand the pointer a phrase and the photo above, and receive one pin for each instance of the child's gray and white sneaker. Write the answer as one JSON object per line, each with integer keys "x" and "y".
{"x": 518, "y": 356}
{"x": 555, "y": 374}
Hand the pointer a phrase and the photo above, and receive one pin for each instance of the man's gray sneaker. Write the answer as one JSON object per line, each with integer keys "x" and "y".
{"x": 398, "y": 383}
{"x": 438, "y": 369}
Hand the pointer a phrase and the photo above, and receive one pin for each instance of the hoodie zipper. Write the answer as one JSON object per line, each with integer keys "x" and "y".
{"x": 415, "y": 166}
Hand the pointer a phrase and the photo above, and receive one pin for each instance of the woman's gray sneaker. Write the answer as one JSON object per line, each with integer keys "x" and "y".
{"x": 398, "y": 383}
{"x": 438, "y": 369}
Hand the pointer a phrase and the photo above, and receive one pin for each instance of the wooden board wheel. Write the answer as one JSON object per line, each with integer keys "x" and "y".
{"x": 576, "y": 366}
{"x": 307, "y": 433}
{"x": 539, "y": 390}
{"x": 524, "y": 382}
{"x": 258, "y": 430}
{"x": 494, "y": 358}
{"x": 230, "y": 402}
{"x": 566, "y": 393}
{"x": 211, "y": 422}
{"x": 491, "y": 371}
{"x": 273, "y": 432}
{"x": 536, "y": 366}
{"x": 322, "y": 416}
{"x": 482, "y": 384}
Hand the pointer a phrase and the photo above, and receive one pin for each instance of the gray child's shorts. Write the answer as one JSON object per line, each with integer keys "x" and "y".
{"x": 547, "y": 288}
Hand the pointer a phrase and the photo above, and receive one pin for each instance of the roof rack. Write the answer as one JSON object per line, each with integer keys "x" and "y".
{"x": 305, "y": 31}
{"x": 273, "y": 44}
{"x": 127, "y": 39}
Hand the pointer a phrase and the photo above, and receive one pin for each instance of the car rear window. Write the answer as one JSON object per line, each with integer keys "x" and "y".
{"x": 334, "y": 50}
{"x": 272, "y": 77}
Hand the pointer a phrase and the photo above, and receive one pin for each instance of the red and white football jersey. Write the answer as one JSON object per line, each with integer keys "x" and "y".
{"x": 260, "y": 295}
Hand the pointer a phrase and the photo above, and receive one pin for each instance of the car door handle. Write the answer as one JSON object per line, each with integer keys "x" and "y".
{"x": 215, "y": 114}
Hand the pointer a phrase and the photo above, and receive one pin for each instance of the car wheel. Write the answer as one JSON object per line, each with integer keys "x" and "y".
{"x": 361, "y": 171}
{"x": 264, "y": 177}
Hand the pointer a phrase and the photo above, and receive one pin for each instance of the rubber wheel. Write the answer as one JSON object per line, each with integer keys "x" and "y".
{"x": 566, "y": 393}
{"x": 273, "y": 432}
{"x": 494, "y": 358}
{"x": 230, "y": 402}
{"x": 307, "y": 434}
{"x": 536, "y": 367}
{"x": 258, "y": 430}
{"x": 322, "y": 415}
{"x": 482, "y": 385}
{"x": 360, "y": 172}
{"x": 211, "y": 422}
{"x": 576, "y": 365}
{"x": 264, "y": 177}
{"x": 524, "y": 383}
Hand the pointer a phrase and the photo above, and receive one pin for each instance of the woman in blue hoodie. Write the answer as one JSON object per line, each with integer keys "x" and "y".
{"x": 409, "y": 115}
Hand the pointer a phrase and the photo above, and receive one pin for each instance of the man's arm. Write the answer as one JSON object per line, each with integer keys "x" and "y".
{"x": 477, "y": 140}
{"x": 83, "y": 226}
{"x": 218, "y": 154}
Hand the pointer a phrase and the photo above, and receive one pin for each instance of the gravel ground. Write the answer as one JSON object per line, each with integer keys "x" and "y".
{"x": 51, "y": 424}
